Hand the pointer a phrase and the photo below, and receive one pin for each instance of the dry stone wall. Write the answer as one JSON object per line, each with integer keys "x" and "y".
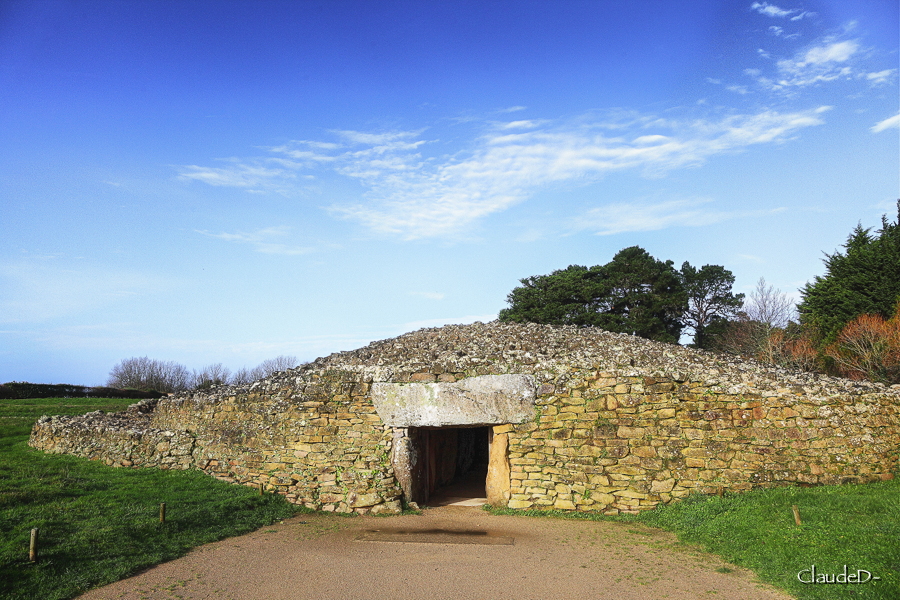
{"x": 620, "y": 423}
{"x": 625, "y": 443}
{"x": 125, "y": 439}
{"x": 315, "y": 439}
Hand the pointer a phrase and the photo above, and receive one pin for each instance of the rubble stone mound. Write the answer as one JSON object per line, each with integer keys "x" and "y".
{"x": 558, "y": 417}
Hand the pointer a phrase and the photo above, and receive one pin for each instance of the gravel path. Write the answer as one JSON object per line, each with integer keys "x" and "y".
{"x": 447, "y": 552}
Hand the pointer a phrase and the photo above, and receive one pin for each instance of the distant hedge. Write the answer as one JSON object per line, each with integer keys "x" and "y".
{"x": 24, "y": 389}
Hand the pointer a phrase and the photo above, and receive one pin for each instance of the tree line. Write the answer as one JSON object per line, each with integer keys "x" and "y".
{"x": 143, "y": 373}
{"x": 847, "y": 322}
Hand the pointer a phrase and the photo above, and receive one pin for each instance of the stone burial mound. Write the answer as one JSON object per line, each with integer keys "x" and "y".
{"x": 541, "y": 416}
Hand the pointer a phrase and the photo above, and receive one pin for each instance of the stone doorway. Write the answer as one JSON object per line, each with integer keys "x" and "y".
{"x": 465, "y": 466}
{"x": 456, "y": 465}
{"x": 443, "y": 430}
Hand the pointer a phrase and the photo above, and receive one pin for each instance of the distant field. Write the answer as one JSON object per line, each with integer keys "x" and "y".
{"x": 98, "y": 524}
{"x": 18, "y": 415}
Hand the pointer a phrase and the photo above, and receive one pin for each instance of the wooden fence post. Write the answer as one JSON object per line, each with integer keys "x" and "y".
{"x": 32, "y": 547}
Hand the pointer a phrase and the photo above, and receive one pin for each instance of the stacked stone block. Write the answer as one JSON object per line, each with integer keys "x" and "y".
{"x": 622, "y": 423}
{"x": 623, "y": 444}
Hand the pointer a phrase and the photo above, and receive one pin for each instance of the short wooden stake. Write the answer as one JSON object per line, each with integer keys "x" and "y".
{"x": 720, "y": 491}
{"x": 32, "y": 547}
{"x": 261, "y": 489}
{"x": 162, "y": 512}
{"x": 796, "y": 510}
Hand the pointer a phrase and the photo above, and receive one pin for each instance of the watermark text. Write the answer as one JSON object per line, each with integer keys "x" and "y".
{"x": 812, "y": 575}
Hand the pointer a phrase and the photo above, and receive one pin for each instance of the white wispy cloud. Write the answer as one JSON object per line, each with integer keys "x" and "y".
{"x": 880, "y": 76}
{"x": 779, "y": 32}
{"x": 889, "y": 123}
{"x": 829, "y": 60}
{"x": 436, "y": 200}
{"x": 829, "y": 53}
{"x": 262, "y": 240}
{"x": 416, "y": 196}
{"x": 630, "y": 217}
{"x": 626, "y": 217}
{"x": 525, "y": 124}
{"x": 771, "y": 10}
{"x": 240, "y": 174}
{"x": 383, "y": 142}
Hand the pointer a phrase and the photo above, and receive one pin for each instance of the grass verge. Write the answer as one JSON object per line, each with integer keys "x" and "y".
{"x": 98, "y": 524}
{"x": 853, "y": 525}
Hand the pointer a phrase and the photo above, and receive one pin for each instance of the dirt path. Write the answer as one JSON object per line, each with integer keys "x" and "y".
{"x": 447, "y": 552}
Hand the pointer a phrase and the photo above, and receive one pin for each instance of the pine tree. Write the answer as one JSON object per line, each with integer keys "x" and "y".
{"x": 710, "y": 300}
{"x": 864, "y": 279}
{"x": 634, "y": 293}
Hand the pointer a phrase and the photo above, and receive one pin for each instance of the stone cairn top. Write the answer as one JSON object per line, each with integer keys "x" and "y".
{"x": 552, "y": 351}
{"x": 548, "y": 352}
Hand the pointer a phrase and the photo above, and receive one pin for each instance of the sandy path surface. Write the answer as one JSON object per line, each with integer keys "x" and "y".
{"x": 447, "y": 552}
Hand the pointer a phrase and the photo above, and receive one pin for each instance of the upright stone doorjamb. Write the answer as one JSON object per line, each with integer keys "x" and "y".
{"x": 497, "y": 484}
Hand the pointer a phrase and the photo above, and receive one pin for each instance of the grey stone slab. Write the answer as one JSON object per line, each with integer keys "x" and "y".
{"x": 482, "y": 400}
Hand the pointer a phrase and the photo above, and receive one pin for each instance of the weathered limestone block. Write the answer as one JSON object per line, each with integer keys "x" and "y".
{"x": 404, "y": 460}
{"x": 363, "y": 500}
{"x": 497, "y": 486}
{"x": 482, "y": 400}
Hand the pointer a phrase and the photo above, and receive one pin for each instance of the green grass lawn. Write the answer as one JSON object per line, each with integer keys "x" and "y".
{"x": 853, "y": 525}
{"x": 98, "y": 524}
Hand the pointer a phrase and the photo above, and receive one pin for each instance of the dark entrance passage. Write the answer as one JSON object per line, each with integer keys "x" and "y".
{"x": 454, "y": 464}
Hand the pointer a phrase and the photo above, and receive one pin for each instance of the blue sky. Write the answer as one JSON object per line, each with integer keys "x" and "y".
{"x": 225, "y": 181}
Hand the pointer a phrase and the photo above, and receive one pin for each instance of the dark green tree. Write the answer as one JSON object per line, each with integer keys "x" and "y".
{"x": 634, "y": 293}
{"x": 864, "y": 279}
{"x": 711, "y": 303}
{"x": 564, "y": 297}
{"x": 645, "y": 296}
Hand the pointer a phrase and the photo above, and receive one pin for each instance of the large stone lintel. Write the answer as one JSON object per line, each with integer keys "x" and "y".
{"x": 483, "y": 400}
